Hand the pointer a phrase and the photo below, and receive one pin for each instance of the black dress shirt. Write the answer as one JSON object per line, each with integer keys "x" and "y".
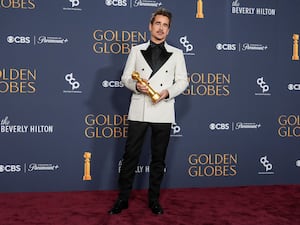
{"x": 156, "y": 55}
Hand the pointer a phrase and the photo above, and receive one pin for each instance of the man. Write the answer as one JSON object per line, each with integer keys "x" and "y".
{"x": 163, "y": 68}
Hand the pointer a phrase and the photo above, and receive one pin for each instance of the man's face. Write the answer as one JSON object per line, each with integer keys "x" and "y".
{"x": 159, "y": 29}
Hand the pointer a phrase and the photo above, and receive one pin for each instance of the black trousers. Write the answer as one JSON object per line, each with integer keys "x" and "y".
{"x": 160, "y": 136}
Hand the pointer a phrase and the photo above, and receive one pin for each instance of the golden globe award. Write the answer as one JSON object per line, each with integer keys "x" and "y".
{"x": 295, "y": 47}
{"x": 153, "y": 94}
{"x": 200, "y": 14}
{"x": 87, "y": 166}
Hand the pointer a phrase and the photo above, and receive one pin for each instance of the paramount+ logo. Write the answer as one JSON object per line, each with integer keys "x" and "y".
{"x": 17, "y": 4}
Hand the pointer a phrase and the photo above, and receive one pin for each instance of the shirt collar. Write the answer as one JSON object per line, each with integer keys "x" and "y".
{"x": 160, "y": 45}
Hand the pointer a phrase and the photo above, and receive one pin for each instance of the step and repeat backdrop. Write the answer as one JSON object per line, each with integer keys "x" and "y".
{"x": 63, "y": 108}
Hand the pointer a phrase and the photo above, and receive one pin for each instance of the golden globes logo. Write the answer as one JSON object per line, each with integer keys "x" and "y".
{"x": 116, "y": 42}
{"x": 20, "y": 81}
{"x": 17, "y": 4}
{"x": 289, "y": 126}
{"x": 87, "y": 166}
{"x": 212, "y": 165}
{"x": 210, "y": 84}
{"x": 199, "y": 13}
{"x": 295, "y": 47}
{"x": 106, "y": 126}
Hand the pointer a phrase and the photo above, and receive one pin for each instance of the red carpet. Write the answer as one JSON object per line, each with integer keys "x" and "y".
{"x": 256, "y": 205}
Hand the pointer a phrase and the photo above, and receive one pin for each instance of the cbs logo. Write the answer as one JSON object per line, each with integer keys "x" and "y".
{"x": 18, "y": 39}
{"x": 112, "y": 84}
{"x": 116, "y": 2}
{"x": 219, "y": 126}
{"x": 294, "y": 87}
{"x": 10, "y": 168}
{"x": 226, "y": 47}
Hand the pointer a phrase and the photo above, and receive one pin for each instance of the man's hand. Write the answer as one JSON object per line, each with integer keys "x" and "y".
{"x": 141, "y": 87}
{"x": 144, "y": 89}
{"x": 163, "y": 95}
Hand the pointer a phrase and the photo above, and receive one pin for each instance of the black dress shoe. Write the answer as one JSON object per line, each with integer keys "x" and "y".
{"x": 118, "y": 206}
{"x": 156, "y": 208}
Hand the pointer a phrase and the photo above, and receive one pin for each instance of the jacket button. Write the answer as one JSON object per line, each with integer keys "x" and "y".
{"x": 161, "y": 85}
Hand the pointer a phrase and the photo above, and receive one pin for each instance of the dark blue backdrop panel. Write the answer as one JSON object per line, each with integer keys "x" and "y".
{"x": 64, "y": 110}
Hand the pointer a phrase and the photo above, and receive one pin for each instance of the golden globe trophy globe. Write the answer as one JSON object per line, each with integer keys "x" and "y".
{"x": 152, "y": 93}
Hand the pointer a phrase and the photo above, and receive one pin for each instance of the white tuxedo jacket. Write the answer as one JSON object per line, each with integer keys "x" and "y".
{"x": 172, "y": 76}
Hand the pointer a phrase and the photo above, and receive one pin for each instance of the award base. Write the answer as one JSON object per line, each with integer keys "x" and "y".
{"x": 87, "y": 178}
{"x": 199, "y": 16}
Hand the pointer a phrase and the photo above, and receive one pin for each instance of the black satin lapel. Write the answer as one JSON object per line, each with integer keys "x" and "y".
{"x": 164, "y": 57}
{"x": 147, "y": 55}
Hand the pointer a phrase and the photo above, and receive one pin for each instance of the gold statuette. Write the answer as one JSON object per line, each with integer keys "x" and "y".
{"x": 87, "y": 166}
{"x": 295, "y": 47}
{"x": 153, "y": 94}
{"x": 199, "y": 14}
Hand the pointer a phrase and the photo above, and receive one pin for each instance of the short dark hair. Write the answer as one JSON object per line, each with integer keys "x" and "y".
{"x": 163, "y": 12}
